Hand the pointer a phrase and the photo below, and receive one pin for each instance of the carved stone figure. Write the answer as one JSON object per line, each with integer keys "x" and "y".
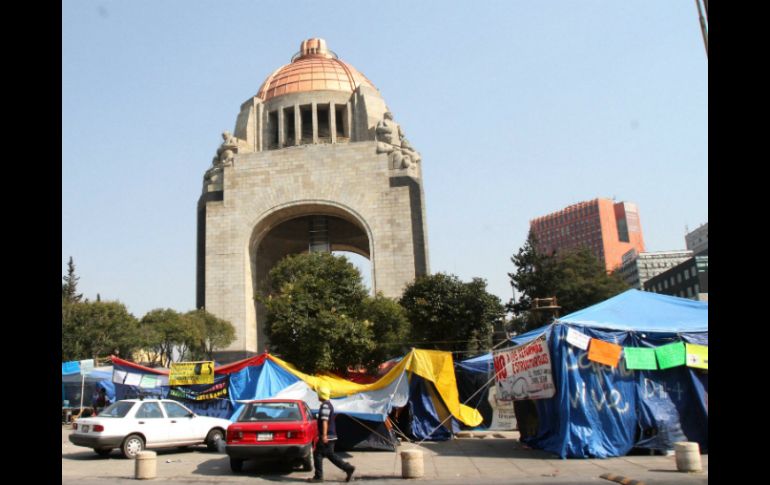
{"x": 228, "y": 149}
{"x": 390, "y": 139}
{"x": 410, "y": 155}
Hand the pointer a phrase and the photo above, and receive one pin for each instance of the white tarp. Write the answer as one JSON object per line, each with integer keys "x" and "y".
{"x": 371, "y": 405}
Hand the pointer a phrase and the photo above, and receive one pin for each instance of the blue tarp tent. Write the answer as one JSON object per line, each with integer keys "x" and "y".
{"x": 600, "y": 411}
{"x": 72, "y": 383}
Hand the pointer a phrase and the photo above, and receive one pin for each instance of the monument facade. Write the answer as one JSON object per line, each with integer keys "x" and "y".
{"x": 317, "y": 162}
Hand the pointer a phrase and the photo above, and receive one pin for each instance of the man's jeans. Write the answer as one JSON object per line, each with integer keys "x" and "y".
{"x": 327, "y": 450}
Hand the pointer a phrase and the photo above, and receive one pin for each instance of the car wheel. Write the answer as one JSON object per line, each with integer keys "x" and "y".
{"x": 132, "y": 445}
{"x": 307, "y": 463}
{"x": 214, "y": 437}
{"x": 236, "y": 465}
{"x": 103, "y": 451}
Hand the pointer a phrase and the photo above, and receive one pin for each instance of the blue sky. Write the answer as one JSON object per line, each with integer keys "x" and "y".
{"x": 519, "y": 108}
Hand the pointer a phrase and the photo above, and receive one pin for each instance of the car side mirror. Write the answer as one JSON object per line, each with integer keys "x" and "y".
{"x": 191, "y": 415}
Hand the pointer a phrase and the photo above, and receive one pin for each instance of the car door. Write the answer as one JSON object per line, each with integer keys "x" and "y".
{"x": 152, "y": 423}
{"x": 181, "y": 427}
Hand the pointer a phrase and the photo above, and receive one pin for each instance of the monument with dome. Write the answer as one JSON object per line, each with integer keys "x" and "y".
{"x": 317, "y": 162}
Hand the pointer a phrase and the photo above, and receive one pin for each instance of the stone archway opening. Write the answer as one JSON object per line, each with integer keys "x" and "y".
{"x": 363, "y": 265}
{"x": 301, "y": 229}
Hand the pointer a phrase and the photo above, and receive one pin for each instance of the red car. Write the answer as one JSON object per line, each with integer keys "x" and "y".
{"x": 273, "y": 428}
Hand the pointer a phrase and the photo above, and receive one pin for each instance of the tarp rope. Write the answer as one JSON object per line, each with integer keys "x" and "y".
{"x": 494, "y": 376}
{"x": 450, "y": 414}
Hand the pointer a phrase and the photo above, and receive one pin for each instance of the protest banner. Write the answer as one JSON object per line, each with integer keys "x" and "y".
{"x": 524, "y": 372}
{"x": 187, "y": 373}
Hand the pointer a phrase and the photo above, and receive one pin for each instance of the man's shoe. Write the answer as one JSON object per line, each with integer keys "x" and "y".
{"x": 350, "y": 473}
{"x": 315, "y": 480}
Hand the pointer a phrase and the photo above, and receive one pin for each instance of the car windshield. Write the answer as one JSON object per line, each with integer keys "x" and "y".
{"x": 270, "y": 411}
{"x": 117, "y": 410}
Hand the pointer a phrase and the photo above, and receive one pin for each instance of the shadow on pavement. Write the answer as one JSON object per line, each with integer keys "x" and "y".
{"x": 264, "y": 469}
{"x": 486, "y": 447}
{"x": 89, "y": 455}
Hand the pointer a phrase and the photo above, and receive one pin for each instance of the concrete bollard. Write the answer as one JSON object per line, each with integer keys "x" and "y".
{"x": 687, "y": 456}
{"x": 411, "y": 464}
{"x": 146, "y": 465}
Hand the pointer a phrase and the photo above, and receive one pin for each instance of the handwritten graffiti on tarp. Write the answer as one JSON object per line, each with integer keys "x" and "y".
{"x": 524, "y": 372}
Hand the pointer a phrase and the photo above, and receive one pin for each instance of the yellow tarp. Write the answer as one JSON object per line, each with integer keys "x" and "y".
{"x": 433, "y": 365}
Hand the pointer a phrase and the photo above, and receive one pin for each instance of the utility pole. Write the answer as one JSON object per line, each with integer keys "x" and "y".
{"x": 704, "y": 23}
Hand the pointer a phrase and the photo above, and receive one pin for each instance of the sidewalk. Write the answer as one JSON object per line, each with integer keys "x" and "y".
{"x": 488, "y": 457}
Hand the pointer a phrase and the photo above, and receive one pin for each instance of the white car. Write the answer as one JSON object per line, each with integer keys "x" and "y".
{"x": 135, "y": 424}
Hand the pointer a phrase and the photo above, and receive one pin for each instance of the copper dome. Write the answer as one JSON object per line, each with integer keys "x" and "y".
{"x": 313, "y": 68}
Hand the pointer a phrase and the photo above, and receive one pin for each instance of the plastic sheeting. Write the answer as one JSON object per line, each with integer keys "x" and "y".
{"x": 432, "y": 365}
{"x": 369, "y": 405}
{"x": 363, "y": 435}
{"x": 123, "y": 391}
{"x": 259, "y": 381}
{"x": 641, "y": 311}
{"x": 601, "y": 412}
{"x": 430, "y": 419}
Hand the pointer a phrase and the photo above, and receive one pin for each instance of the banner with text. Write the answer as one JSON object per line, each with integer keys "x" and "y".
{"x": 524, "y": 372}
{"x": 189, "y": 373}
{"x": 207, "y": 400}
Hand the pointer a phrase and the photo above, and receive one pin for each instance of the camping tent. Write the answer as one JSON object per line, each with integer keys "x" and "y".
{"x": 603, "y": 411}
{"x": 424, "y": 380}
{"x": 72, "y": 383}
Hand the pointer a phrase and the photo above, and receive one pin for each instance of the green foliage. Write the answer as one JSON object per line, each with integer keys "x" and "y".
{"x": 97, "y": 330}
{"x": 390, "y": 329}
{"x": 314, "y": 313}
{"x": 69, "y": 289}
{"x": 576, "y": 278}
{"x": 165, "y": 330}
{"x": 213, "y": 333}
{"x": 447, "y": 314}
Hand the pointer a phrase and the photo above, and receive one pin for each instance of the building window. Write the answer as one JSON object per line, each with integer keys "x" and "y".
{"x": 324, "y": 131}
{"x": 689, "y": 291}
{"x": 340, "y": 114}
{"x": 272, "y": 129}
{"x": 288, "y": 126}
{"x": 679, "y": 278}
{"x": 306, "y": 118}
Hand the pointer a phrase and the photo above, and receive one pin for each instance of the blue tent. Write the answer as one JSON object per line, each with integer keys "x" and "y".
{"x": 600, "y": 411}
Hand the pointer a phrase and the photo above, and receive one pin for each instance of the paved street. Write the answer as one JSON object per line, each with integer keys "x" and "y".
{"x": 495, "y": 458}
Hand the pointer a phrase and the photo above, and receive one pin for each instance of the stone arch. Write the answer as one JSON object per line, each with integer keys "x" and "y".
{"x": 284, "y": 230}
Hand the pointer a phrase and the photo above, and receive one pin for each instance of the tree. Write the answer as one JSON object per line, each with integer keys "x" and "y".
{"x": 576, "y": 278}
{"x": 315, "y": 313}
{"x": 214, "y": 333}
{"x": 390, "y": 329}
{"x": 69, "y": 289}
{"x": 97, "y": 329}
{"x": 165, "y": 330}
{"x": 447, "y": 314}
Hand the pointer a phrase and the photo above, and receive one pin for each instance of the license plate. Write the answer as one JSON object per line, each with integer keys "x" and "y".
{"x": 264, "y": 436}
{"x": 85, "y": 428}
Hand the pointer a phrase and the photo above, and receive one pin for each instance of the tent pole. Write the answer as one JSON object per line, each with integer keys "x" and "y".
{"x": 82, "y": 387}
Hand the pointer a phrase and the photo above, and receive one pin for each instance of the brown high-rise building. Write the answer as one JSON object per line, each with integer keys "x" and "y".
{"x": 606, "y": 228}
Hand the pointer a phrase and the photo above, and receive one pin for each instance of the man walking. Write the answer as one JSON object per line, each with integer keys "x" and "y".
{"x": 327, "y": 436}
